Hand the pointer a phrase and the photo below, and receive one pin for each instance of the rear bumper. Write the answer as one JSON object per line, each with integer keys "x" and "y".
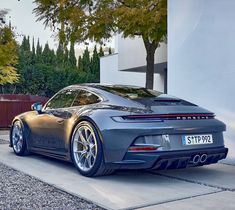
{"x": 169, "y": 159}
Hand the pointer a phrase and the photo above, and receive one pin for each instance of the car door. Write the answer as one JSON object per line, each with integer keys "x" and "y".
{"x": 48, "y": 128}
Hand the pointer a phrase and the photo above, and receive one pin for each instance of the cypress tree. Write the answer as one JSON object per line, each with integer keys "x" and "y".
{"x": 72, "y": 57}
{"x": 27, "y": 45}
{"x": 46, "y": 54}
{"x": 110, "y": 51}
{"x": 80, "y": 66}
{"x": 66, "y": 58}
{"x": 60, "y": 55}
{"x": 101, "y": 51}
{"x": 86, "y": 60}
{"x": 95, "y": 62}
{"x": 33, "y": 52}
{"x": 23, "y": 44}
{"x": 38, "y": 52}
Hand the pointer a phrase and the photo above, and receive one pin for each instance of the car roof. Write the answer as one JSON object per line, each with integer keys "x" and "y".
{"x": 101, "y": 90}
{"x": 100, "y": 85}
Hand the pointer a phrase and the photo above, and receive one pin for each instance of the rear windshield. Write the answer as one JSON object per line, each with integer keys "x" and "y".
{"x": 131, "y": 92}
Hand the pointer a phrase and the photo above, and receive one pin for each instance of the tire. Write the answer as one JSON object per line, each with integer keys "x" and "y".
{"x": 18, "y": 139}
{"x": 86, "y": 151}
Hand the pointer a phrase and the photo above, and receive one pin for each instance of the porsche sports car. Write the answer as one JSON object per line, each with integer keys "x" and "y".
{"x": 101, "y": 128}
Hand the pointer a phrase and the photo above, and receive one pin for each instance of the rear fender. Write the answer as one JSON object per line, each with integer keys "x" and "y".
{"x": 80, "y": 119}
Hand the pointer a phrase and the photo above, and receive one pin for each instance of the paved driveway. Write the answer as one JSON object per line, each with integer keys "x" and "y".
{"x": 195, "y": 188}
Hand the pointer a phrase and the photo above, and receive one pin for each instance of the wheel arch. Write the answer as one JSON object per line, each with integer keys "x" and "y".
{"x": 25, "y": 128}
{"x": 88, "y": 119}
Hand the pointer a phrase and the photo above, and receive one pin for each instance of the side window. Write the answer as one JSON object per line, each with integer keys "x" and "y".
{"x": 61, "y": 100}
{"x": 85, "y": 97}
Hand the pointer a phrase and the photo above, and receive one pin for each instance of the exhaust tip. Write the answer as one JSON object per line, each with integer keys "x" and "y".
{"x": 203, "y": 158}
{"x": 196, "y": 159}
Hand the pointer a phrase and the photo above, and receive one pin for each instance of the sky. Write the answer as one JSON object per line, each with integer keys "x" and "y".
{"x": 22, "y": 17}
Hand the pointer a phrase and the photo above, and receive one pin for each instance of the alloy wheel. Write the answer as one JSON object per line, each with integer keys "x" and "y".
{"x": 17, "y": 137}
{"x": 85, "y": 147}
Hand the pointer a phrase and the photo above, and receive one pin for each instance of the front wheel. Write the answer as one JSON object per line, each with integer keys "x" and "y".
{"x": 18, "y": 140}
{"x": 86, "y": 151}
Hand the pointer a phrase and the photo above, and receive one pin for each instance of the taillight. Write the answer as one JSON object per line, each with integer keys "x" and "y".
{"x": 188, "y": 116}
{"x": 142, "y": 148}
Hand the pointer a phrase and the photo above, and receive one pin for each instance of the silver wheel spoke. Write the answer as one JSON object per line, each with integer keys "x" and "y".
{"x": 81, "y": 137}
{"x": 86, "y": 133}
{"x": 90, "y": 138}
{"x": 83, "y": 154}
{"x": 92, "y": 154}
{"x": 84, "y": 147}
{"x": 81, "y": 142}
{"x": 89, "y": 161}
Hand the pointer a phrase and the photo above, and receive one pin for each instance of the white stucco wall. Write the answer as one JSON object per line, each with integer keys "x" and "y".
{"x": 201, "y": 57}
{"x": 132, "y": 52}
{"x": 110, "y": 74}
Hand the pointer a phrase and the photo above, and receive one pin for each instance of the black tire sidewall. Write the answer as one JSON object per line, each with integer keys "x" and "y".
{"x": 99, "y": 157}
{"x": 24, "y": 146}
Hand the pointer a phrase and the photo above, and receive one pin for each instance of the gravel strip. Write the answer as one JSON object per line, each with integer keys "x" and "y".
{"x": 21, "y": 191}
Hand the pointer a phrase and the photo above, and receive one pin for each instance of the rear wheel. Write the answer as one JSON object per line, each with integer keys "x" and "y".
{"x": 18, "y": 140}
{"x": 86, "y": 151}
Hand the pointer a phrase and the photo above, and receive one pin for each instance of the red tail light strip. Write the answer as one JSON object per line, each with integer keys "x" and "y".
{"x": 142, "y": 149}
{"x": 193, "y": 116}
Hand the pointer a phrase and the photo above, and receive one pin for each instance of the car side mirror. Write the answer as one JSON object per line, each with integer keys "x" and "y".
{"x": 37, "y": 107}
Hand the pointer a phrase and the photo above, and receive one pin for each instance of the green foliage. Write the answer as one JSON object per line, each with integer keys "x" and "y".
{"x": 101, "y": 51}
{"x": 72, "y": 58}
{"x": 97, "y": 20}
{"x": 86, "y": 62}
{"x": 95, "y": 64}
{"x": 8, "y": 54}
{"x": 44, "y": 72}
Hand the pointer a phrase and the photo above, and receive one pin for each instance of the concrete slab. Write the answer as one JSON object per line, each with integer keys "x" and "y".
{"x": 217, "y": 201}
{"x": 4, "y": 135}
{"x": 120, "y": 191}
{"x": 218, "y": 175}
{"x": 4, "y": 132}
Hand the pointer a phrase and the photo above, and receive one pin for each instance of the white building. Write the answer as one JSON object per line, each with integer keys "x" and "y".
{"x": 201, "y": 59}
{"x": 127, "y": 64}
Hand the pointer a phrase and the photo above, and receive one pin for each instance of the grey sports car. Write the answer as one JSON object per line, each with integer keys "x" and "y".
{"x": 101, "y": 128}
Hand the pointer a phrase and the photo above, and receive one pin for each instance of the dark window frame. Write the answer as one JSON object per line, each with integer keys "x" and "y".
{"x": 71, "y": 105}
{"x": 100, "y": 99}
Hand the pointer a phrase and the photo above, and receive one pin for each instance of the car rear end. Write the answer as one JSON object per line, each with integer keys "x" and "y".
{"x": 157, "y": 131}
{"x": 178, "y": 140}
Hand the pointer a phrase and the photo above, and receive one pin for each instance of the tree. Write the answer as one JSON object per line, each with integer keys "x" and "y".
{"x": 110, "y": 50}
{"x": 101, "y": 51}
{"x": 95, "y": 64}
{"x": 86, "y": 61}
{"x": 72, "y": 57}
{"x": 60, "y": 54}
{"x": 98, "y": 20}
{"x": 80, "y": 66}
{"x": 8, "y": 53}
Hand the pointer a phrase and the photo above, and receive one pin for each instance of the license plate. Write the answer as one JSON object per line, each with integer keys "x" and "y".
{"x": 197, "y": 139}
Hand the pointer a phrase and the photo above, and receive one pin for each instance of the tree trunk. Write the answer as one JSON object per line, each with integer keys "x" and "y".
{"x": 150, "y": 70}
{"x": 150, "y": 50}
